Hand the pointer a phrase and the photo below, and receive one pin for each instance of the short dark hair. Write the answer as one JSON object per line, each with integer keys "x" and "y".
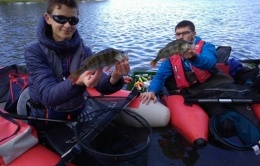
{"x": 185, "y": 23}
{"x": 69, "y": 3}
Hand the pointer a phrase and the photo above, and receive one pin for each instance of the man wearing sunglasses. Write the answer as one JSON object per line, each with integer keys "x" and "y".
{"x": 59, "y": 52}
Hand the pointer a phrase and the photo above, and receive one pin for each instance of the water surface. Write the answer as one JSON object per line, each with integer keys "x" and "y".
{"x": 140, "y": 27}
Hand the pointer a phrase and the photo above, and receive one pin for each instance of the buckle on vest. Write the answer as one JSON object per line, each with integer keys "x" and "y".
{"x": 195, "y": 83}
{"x": 35, "y": 104}
{"x": 256, "y": 148}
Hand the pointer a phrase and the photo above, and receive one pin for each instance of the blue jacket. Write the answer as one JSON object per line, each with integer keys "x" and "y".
{"x": 47, "y": 88}
{"x": 205, "y": 61}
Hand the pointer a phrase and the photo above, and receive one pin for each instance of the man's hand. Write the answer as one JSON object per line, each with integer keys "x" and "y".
{"x": 146, "y": 97}
{"x": 121, "y": 68}
{"x": 189, "y": 54}
{"x": 90, "y": 78}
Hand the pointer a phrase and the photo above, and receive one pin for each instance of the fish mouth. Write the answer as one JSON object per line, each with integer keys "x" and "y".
{"x": 126, "y": 55}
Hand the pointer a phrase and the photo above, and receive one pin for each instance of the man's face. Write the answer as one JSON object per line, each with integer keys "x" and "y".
{"x": 185, "y": 33}
{"x": 62, "y": 31}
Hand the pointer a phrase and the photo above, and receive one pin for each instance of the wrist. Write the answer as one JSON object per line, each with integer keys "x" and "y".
{"x": 152, "y": 92}
{"x": 113, "y": 80}
{"x": 192, "y": 58}
{"x": 78, "y": 83}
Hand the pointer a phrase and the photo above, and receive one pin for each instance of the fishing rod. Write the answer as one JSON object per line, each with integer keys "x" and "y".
{"x": 221, "y": 100}
{"x": 25, "y": 117}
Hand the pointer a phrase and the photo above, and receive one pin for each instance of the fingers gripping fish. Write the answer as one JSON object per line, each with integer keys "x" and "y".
{"x": 107, "y": 57}
{"x": 174, "y": 47}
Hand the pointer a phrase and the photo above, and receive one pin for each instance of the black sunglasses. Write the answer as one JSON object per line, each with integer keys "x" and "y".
{"x": 63, "y": 19}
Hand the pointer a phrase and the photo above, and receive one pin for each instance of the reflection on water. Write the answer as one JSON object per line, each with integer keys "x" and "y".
{"x": 168, "y": 148}
{"x": 175, "y": 147}
{"x": 140, "y": 27}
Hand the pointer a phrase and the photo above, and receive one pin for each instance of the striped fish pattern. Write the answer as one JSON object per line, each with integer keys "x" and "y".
{"x": 107, "y": 57}
{"x": 174, "y": 47}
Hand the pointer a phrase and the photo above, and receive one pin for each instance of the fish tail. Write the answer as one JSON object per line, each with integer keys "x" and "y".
{"x": 153, "y": 63}
{"x": 74, "y": 76}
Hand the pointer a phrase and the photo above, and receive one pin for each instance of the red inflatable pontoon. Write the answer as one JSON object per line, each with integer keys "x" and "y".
{"x": 38, "y": 155}
{"x": 156, "y": 114}
{"x": 189, "y": 120}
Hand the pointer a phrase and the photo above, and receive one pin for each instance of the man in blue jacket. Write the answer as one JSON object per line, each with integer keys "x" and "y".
{"x": 59, "y": 52}
{"x": 185, "y": 75}
{"x": 190, "y": 71}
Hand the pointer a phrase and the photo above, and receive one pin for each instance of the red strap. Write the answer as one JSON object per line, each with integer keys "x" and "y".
{"x": 176, "y": 62}
{"x": 178, "y": 71}
{"x": 198, "y": 47}
{"x": 13, "y": 80}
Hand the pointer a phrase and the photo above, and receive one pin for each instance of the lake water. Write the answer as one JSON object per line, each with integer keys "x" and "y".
{"x": 140, "y": 27}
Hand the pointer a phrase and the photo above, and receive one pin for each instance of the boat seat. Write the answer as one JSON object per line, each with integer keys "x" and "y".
{"x": 23, "y": 105}
{"x": 223, "y": 54}
{"x": 45, "y": 156}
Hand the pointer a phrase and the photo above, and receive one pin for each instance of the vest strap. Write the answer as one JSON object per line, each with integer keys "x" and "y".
{"x": 179, "y": 73}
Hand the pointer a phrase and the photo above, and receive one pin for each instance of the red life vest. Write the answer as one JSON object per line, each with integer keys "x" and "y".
{"x": 179, "y": 73}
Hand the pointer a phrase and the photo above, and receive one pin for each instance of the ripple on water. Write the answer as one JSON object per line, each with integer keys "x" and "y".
{"x": 140, "y": 27}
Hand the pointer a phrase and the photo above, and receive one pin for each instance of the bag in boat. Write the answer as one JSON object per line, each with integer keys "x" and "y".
{"x": 235, "y": 131}
{"x": 14, "y": 79}
{"x": 18, "y": 82}
{"x": 235, "y": 68}
{"x": 16, "y": 137}
{"x": 256, "y": 84}
{"x": 242, "y": 74}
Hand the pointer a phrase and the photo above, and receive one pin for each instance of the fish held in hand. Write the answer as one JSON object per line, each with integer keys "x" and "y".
{"x": 107, "y": 57}
{"x": 174, "y": 47}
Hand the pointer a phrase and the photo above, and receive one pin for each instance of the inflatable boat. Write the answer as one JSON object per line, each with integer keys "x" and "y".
{"x": 157, "y": 114}
{"x": 189, "y": 119}
{"x": 183, "y": 119}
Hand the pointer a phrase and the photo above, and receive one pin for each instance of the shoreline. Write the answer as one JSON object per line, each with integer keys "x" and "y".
{"x": 20, "y": 1}
{"x": 35, "y": 1}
